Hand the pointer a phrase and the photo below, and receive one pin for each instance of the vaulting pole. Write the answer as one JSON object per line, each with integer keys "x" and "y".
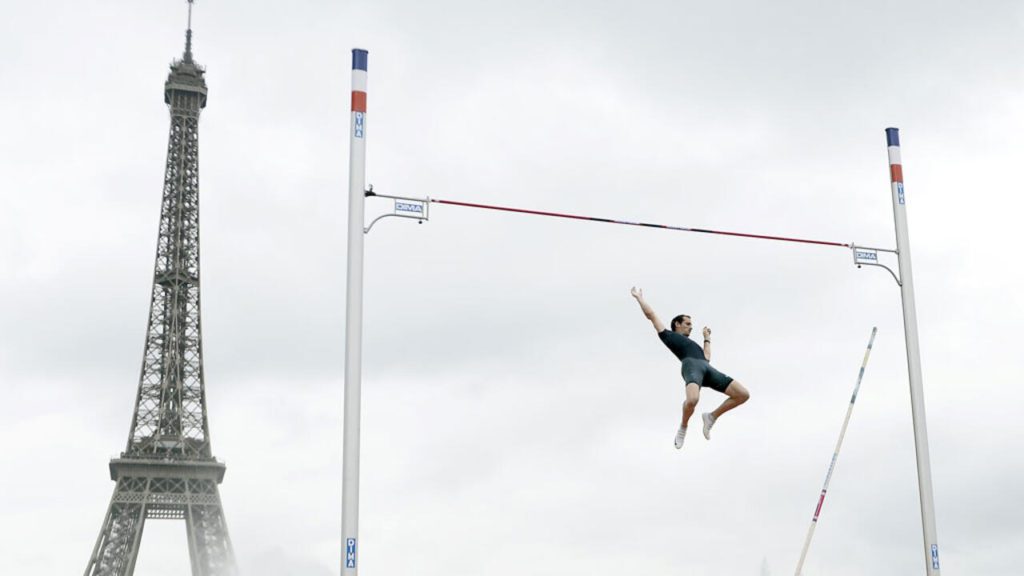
{"x": 354, "y": 318}
{"x": 924, "y": 468}
{"x": 835, "y": 454}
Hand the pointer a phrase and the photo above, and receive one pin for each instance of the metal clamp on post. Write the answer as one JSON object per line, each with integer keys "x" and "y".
{"x": 864, "y": 256}
{"x": 415, "y": 208}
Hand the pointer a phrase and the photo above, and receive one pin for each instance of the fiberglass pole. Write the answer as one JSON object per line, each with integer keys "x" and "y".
{"x": 835, "y": 454}
{"x": 924, "y": 470}
{"x": 354, "y": 317}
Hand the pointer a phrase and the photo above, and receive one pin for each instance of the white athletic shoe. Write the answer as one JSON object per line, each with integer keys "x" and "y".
{"x": 709, "y": 421}
{"x": 680, "y": 436}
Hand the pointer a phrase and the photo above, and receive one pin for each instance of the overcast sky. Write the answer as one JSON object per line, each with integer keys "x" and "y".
{"x": 518, "y": 410}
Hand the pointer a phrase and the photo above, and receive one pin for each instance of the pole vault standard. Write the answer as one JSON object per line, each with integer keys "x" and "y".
{"x": 906, "y": 281}
{"x": 354, "y": 317}
{"x": 835, "y": 454}
{"x": 418, "y": 209}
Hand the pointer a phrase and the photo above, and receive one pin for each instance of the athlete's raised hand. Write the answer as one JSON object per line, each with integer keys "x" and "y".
{"x": 707, "y": 333}
{"x": 646, "y": 309}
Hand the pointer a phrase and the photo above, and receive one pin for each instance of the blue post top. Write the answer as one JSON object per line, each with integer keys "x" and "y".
{"x": 892, "y": 136}
{"x": 359, "y": 58}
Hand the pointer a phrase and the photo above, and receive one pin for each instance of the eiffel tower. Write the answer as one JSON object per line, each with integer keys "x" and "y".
{"x": 167, "y": 470}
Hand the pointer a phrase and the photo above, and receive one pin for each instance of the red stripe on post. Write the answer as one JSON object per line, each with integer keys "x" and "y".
{"x": 896, "y": 171}
{"x": 358, "y": 101}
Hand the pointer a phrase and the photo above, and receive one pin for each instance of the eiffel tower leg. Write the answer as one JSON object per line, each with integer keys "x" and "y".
{"x": 208, "y": 542}
{"x": 117, "y": 546}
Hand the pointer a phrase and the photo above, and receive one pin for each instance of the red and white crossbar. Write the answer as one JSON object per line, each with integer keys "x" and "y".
{"x": 614, "y": 221}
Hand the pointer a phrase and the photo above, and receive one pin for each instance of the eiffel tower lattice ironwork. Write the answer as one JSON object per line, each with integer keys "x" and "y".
{"x": 167, "y": 470}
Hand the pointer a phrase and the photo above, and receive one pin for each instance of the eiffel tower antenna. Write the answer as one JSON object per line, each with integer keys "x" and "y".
{"x": 188, "y": 34}
{"x": 167, "y": 470}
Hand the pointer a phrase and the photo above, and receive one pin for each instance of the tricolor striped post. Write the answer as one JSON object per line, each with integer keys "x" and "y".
{"x": 835, "y": 454}
{"x": 354, "y": 319}
{"x": 924, "y": 470}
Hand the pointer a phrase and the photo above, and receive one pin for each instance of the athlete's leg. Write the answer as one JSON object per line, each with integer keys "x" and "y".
{"x": 692, "y": 397}
{"x": 737, "y": 395}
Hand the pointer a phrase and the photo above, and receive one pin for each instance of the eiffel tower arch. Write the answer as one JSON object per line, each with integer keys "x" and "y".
{"x": 167, "y": 470}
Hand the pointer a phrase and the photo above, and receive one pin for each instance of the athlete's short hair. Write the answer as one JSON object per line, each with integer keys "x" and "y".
{"x": 678, "y": 320}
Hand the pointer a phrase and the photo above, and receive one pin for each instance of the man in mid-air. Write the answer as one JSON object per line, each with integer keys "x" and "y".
{"x": 697, "y": 370}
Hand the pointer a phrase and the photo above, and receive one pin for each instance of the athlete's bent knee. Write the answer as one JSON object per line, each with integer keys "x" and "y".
{"x": 740, "y": 394}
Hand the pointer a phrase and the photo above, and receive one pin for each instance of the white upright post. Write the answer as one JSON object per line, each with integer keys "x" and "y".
{"x": 354, "y": 318}
{"x": 924, "y": 470}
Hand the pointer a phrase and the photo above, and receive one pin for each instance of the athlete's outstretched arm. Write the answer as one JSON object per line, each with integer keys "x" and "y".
{"x": 707, "y": 344}
{"x": 646, "y": 308}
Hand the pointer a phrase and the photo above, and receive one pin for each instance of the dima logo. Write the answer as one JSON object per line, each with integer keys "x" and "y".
{"x": 350, "y": 553}
{"x": 359, "y": 125}
{"x": 407, "y": 207}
